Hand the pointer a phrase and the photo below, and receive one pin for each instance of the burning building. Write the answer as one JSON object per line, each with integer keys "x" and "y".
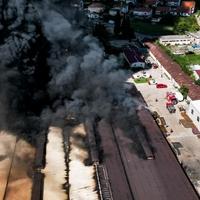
{"x": 51, "y": 69}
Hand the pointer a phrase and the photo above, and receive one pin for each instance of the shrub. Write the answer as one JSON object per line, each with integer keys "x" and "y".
{"x": 184, "y": 91}
{"x": 197, "y": 82}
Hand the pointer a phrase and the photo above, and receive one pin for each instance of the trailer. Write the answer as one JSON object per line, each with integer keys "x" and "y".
{"x": 170, "y": 107}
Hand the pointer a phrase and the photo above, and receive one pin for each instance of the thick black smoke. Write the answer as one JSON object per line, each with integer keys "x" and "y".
{"x": 50, "y": 68}
{"x": 24, "y": 72}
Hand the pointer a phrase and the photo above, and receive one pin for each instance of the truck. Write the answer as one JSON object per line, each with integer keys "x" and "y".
{"x": 171, "y": 98}
{"x": 170, "y": 107}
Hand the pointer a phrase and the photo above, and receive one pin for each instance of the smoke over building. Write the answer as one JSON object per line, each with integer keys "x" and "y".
{"x": 50, "y": 68}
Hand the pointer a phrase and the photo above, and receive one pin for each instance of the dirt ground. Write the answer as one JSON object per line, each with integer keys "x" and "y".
{"x": 16, "y": 159}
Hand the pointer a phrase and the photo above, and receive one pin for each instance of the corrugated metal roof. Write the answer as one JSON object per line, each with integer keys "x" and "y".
{"x": 132, "y": 55}
{"x": 188, "y": 4}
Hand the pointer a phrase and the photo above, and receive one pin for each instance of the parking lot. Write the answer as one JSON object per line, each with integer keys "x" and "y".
{"x": 185, "y": 143}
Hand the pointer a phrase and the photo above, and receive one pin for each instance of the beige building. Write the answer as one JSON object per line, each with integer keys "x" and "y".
{"x": 194, "y": 112}
{"x": 195, "y": 37}
{"x": 175, "y": 40}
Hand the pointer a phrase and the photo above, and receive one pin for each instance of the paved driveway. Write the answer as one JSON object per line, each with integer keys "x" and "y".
{"x": 184, "y": 142}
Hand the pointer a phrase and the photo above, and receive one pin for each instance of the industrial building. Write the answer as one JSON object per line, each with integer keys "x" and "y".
{"x": 134, "y": 58}
{"x": 175, "y": 40}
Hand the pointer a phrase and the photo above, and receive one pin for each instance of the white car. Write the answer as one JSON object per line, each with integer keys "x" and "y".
{"x": 152, "y": 82}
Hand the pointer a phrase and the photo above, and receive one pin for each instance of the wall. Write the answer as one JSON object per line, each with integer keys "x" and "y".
{"x": 196, "y": 113}
{"x": 138, "y": 64}
{"x": 175, "y": 42}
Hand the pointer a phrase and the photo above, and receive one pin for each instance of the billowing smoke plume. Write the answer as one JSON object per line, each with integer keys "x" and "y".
{"x": 50, "y": 68}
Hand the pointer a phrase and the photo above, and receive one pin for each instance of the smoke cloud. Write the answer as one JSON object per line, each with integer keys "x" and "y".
{"x": 50, "y": 68}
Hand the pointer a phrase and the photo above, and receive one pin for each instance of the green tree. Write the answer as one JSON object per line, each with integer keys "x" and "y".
{"x": 184, "y": 24}
{"x": 117, "y": 28}
{"x": 197, "y": 82}
{"x": 184, "y": 91}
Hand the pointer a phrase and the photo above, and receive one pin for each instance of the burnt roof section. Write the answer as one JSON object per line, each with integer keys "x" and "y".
{"x": 133, "y": 177}
{"x": 132, "y": 55}
{"x": 175, "y": 70}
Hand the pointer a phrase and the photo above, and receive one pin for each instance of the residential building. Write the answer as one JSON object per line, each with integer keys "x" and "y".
{"x": 194, "y": 112}
{"x": 188, "y": 7}
{"x": 197, "y": 74}
{"x": 175, "y": 40}
{"x": 142, "y": 12}
{"x": 134, "y": 58}
{"x": 96, "y": 8}
{"x": 162, "y": 10}
{"x": 196, "y": 71}
{"x": 131, "y": 1}
{"x": 173, "y": 3}
{"x": 174, "y": 11}
{"x": 114, "y": 11}
{"x": 151, "y": 2}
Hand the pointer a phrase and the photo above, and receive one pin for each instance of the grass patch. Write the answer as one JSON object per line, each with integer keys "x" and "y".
{"x": 183, "y": 60}
{"x": 188, "y": 59}
{"x": 141, "y": 80}
{"x": 151, "y": 29}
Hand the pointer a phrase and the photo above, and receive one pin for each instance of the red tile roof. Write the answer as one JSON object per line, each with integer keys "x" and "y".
{"x": 174, "y": 69}
{"x": 188, "y": 4}
{"x": 198, "y": 72}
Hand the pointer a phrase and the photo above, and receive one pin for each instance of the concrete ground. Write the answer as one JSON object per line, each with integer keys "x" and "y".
{"x": 185, "y": 144}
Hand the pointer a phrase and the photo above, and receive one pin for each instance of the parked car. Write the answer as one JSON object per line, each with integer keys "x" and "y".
{"x": 161, "y": 85}
{"x": 171, "y": 108}
{"x": 152, "y": 82}
{"x": 155, "y": 66}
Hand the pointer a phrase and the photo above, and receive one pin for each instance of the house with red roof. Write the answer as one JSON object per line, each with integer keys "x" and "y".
{"x": 188, "y": 7}
{"x": 197, "y": 72}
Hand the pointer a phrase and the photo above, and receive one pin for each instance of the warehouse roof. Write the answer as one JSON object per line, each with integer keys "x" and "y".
{"x": 175, "y": 37}
{"x": 132, "y": 55}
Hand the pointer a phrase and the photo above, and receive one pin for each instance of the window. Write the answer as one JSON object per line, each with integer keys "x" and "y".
{"x": 198, "y": 118}
{"x": 192, "y": 111}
